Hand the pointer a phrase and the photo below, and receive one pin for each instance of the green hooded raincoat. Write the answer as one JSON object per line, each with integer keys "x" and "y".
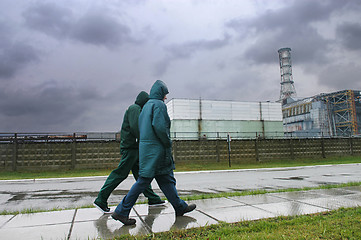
{"x": 155, "y": 146}
{"x": 130, "y": 131}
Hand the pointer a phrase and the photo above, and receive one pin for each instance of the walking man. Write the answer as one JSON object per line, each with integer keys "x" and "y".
{"x": 155, "y": 157}
{"x": 129, "y": 148}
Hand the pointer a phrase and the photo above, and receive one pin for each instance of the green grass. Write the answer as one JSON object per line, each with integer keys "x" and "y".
{"x": 199, "y": 166}
{"x": 338, "y": 224}
{"x": 53, "y": 174}
{"x": 257, "y": 192}
{"x": 180, "y": 167}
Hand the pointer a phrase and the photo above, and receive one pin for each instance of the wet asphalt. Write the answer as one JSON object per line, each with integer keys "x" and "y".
{"x": 46, "y": 194}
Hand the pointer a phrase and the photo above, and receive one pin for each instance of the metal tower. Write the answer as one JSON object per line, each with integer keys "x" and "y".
{"x": 287, "y": 87}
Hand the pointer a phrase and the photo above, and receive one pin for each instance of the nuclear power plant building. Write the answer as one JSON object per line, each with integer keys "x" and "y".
{"x": 336, "y": 114}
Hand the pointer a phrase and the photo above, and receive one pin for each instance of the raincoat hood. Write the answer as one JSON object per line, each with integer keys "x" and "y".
{"x": 142, "y": 98}
{"x": 159, "y": 90}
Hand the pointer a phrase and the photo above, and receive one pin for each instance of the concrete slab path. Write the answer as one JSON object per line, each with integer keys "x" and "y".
{"x": 89, "y": 223}
{"x": 46, "y": 194}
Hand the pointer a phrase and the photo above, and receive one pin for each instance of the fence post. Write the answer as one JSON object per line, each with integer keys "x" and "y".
{"x": 256, "y": 148}
{"x": 73, "y": 152}
{"x": 15, "y": 152}
{"x": 229, "y": 149}
{"x": 323, "y": 147}
{"x": 291, "y": 149}
{"x": 351, "y": 145}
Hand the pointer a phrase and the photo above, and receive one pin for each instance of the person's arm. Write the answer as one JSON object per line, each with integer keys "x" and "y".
{"x": 133, "y": 117}
{"x": 160, "y": 124}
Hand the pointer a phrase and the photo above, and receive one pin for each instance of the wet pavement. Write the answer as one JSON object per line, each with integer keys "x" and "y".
{"x": 90, "y": 223}
{"x": 47, "y": 194}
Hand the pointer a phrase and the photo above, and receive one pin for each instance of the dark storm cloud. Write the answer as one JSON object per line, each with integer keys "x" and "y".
{"x": 100, "y": 29}
{"x": 350, "y": 35}
{"x": 43, "y": 106}
{"x": 14, "y": 55}
{"x": 96, "y": 28}
{"x": 288, "y": 27}
{"x": 49, "y": 18}
{"x": 188, "y": 49}
{"x": 312, "y": 48}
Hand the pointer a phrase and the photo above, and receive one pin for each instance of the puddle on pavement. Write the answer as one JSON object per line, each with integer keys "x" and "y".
{"x": 17, "y": 197}
{"x": 298, "y": 178}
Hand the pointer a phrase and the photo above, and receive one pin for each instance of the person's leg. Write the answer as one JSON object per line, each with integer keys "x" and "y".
{"x": 124, "y": 207}
{"x": 167, "y": 184}
{"x": 153, "y": 198}
{"x": 129, "y": 157}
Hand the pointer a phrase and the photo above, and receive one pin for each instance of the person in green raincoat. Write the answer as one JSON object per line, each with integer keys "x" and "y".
{"x": 155, "y": 157}
{"x": 130, "y": 157}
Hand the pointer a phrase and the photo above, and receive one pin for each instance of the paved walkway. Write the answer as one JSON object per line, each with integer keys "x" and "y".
{"x": 91, "y": 224}
{"x": 16, "y": 195}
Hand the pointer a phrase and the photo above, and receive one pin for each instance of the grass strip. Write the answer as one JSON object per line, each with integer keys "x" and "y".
{"x": 344, "y": 223}
{"x": 203, "y": 196}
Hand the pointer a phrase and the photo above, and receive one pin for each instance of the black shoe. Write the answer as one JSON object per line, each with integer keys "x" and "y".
{"x": 188, "y": 209}
{"x": 159, "y": 203}
{"x": 102, "y": 208}
{"x": 125, "y": 220}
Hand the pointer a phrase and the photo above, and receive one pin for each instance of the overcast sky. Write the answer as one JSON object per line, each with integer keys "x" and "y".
{"x": 76, "y": 65}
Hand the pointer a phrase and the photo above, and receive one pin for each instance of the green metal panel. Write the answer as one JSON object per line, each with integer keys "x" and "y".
{"x": 184, "y": 128}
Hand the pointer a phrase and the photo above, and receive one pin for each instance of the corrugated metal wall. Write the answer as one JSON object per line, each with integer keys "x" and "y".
{"x": 224, "y": 110}
{"x": 188, "y": 129}
{"x": 193, "y": 119}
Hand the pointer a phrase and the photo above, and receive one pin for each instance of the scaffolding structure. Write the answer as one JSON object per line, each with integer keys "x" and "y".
{"x": 287, "y": 86}
{"x": 336, "y": 114}
{"x": 341, "y": 107}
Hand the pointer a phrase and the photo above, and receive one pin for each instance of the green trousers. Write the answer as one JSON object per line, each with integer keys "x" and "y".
{"x": 129, "y": 161}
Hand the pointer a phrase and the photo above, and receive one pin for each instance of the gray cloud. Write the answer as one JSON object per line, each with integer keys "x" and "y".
{"x": 95, "y": 28}
{"x": 288, "y": 27}
{"x": 188, "y": 49}
{"x": 305, "y": 41}
{"x": 49, "y": 18}
{"x": 350, "y": 35}
{"x": 14, "y": 55}
{"x": 100, "y": 29}
{"x": 341, "y": 76}
{"x": 45, "y": 106}
{"x": 6, "y": 34}
{"x": 15, "y": 58}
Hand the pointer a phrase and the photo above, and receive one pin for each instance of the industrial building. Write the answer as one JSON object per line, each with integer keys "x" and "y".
{"x": 324, "y": 115}
{"x": 211, "y": 119}
{"x": 331, "y": 114}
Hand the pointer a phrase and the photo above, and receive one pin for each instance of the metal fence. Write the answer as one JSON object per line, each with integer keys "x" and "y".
{"x": 252, "y": 135}
{"x": 58, "y": 150}
{"x": 28, "y": 151}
